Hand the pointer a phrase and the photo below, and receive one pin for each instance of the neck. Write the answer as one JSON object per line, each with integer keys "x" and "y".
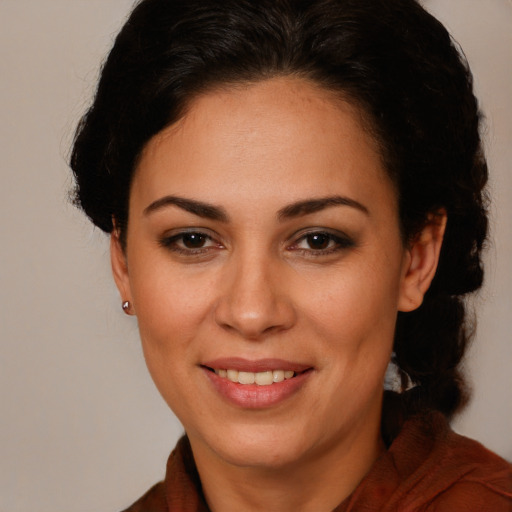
{"x": 320, "y": 481}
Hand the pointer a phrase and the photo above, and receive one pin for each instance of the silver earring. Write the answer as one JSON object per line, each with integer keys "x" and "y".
{"x": 126, "y": 307}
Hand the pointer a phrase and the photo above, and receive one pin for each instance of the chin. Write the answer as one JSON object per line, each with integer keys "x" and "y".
{"x": 262, "y": 447}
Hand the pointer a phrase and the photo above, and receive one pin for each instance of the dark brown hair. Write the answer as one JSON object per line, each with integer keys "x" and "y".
{"x": 390, "y": 57}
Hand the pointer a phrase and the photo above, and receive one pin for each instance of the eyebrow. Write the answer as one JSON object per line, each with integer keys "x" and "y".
{"x": 308, "y": 206}
{"x": 198, "y": 208}
{"x": 297, "y": 209}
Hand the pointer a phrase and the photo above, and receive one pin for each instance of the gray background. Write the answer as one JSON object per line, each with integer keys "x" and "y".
{"x": 81, "y": 426}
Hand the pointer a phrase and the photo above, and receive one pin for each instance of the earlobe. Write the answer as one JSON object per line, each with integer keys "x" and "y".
{"x": 422, "y": 261}
{"x": 120, "y": 267}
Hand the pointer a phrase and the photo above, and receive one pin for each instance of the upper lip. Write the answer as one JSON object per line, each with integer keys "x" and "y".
{"x": 255, "y": 366}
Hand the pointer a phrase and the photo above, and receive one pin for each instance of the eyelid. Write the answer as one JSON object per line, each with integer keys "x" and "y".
{"x": 342, "y": 240}
{"x": 339, "y": 241}
{"x": 169, "y": 239}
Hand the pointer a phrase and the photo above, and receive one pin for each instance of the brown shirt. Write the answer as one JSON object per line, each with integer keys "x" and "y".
{"x": 428, "y": 468}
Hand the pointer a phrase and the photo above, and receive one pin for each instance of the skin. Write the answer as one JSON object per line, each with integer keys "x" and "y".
{"x": 258, "y": 287}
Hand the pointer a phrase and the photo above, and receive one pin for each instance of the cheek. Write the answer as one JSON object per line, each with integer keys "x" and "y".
{"x": 170, "y": 314}
{"x": 354, "y": 299}
{"x": 170, "y": 306}
{"x": 354, "y": 313}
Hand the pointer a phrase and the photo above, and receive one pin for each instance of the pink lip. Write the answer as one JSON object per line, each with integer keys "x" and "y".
{"x": 252, "y": 396}
{"x": 260, "y": 365}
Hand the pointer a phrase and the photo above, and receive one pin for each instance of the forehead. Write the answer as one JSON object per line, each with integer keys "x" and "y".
{"x": 283, "y": 131}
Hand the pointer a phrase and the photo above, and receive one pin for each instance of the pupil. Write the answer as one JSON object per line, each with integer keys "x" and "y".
{"x": 318, "y": 241}
{"x": 193, "y": 240}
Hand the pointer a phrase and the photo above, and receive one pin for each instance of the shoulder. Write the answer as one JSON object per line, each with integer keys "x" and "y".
{"x": 472, "y": 496}
{"x": 481, "y": 479}
{"x": 455, "y": 472}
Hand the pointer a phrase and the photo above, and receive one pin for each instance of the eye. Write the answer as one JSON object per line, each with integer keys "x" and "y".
{"x": 190, "y": 243}
{"x": 194, "y": 240}
{"x": 319, "y": 243}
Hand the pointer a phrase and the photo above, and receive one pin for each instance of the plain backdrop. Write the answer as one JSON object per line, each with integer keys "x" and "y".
{"x": 82, "y": 429}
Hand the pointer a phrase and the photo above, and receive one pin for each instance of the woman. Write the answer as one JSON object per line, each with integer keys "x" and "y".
{"x": 295, "y": 195}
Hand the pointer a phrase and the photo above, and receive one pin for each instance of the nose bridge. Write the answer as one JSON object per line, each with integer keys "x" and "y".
{"x": 254, "y": 300}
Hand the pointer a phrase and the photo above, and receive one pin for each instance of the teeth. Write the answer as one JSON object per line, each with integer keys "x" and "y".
{"x": 232, "y": 375}
{"x": 263, "y": 378}
{"x": 246, "y": 377}
{"x": 259, "y": 378}
{"x": 278, "y": 375}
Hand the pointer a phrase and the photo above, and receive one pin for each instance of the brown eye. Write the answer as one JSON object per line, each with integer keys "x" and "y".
{"x": 194, "y": 240}
{"x": 322, "y": 243}
{"x": 190, "y": 243}
{"x": 318, "y": 241}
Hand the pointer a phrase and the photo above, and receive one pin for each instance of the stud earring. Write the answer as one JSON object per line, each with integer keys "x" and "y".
{"x": 126, "y": 307}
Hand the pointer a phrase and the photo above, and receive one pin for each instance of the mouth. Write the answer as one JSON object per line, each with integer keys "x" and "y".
{"x": 256, "y": 384}
{"x": 264, "y": 378}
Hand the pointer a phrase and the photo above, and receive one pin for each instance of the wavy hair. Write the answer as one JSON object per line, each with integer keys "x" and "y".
{"x": 392, "y": 59}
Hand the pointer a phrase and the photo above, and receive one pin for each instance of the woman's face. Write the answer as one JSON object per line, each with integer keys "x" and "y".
{"x": 263, "y": 241}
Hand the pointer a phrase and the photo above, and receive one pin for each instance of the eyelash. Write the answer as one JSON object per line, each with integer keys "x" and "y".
{"x": 340, "y": 243}
{"x": 171, "y": 243}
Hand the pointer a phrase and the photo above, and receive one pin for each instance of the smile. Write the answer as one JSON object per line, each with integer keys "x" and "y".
{"x": 256, "y": 384}
{"x": 265, "y": 378}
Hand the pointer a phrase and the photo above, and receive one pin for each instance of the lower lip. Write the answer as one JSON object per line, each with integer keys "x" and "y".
{"x": 252, "y": 396}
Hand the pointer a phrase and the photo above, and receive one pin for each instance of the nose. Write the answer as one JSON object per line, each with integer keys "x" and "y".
{"x": 254, "y": 301}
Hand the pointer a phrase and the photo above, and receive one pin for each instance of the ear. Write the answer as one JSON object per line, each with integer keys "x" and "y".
{"x": 421, "y": 262}
{"x": 120, "y": 267}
